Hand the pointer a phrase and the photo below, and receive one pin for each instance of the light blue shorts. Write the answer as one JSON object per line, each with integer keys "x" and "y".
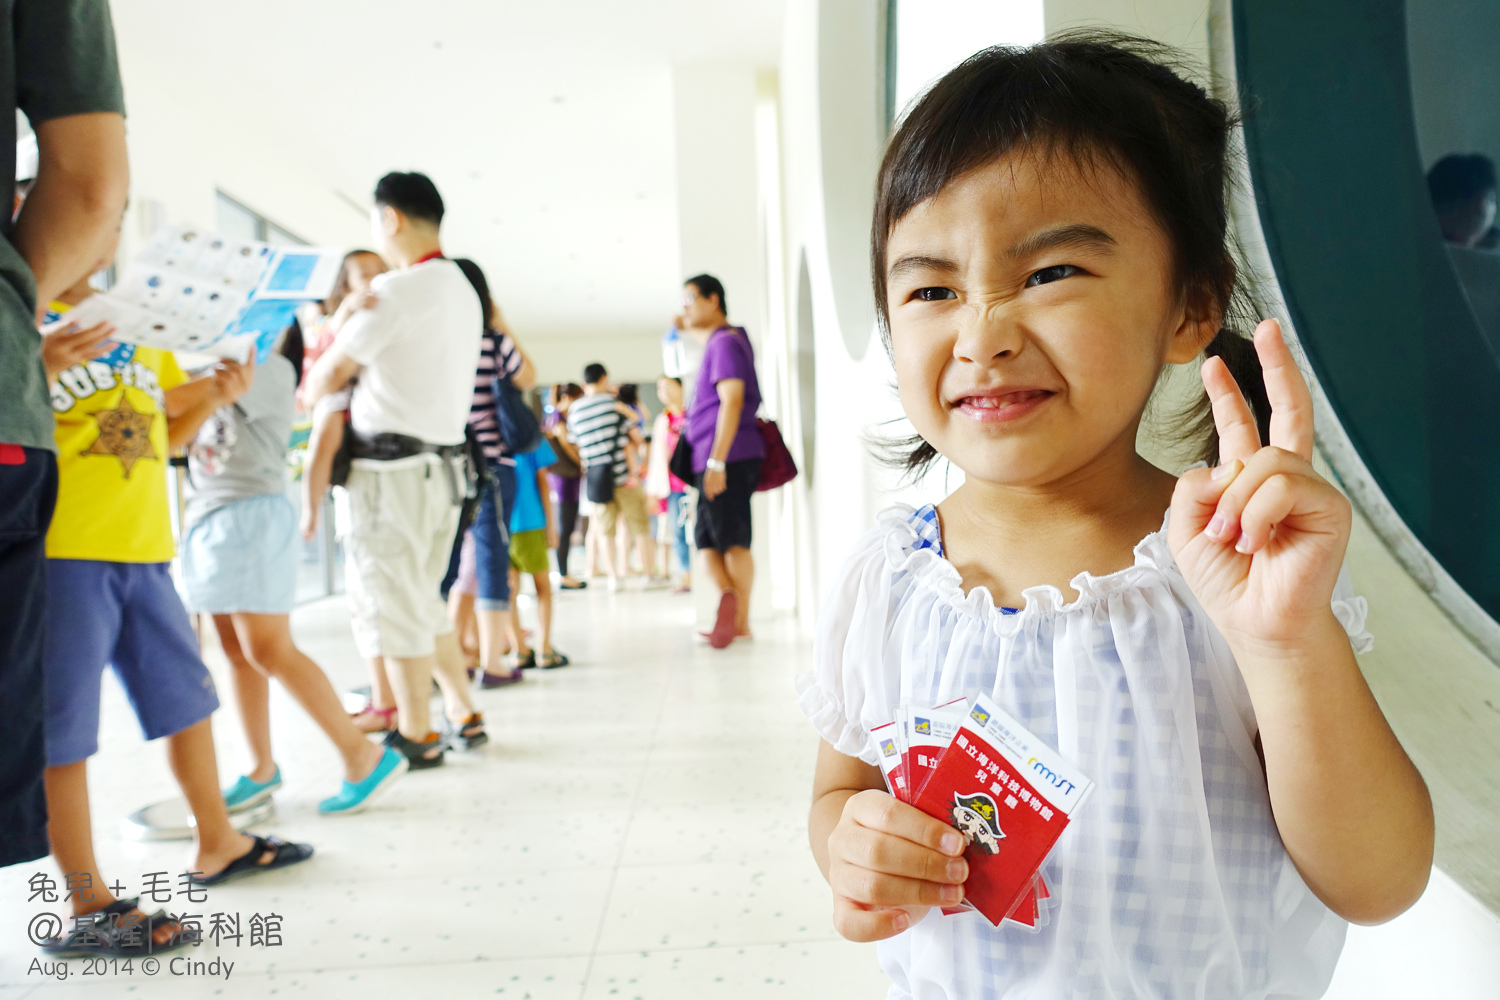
{"x": 243, "y": 557}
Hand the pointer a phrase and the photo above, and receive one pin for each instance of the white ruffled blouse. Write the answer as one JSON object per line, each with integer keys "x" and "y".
{"x": 1171, "y": 880}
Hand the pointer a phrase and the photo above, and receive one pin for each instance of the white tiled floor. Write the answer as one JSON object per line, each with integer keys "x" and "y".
{"x": 635, "y": 829}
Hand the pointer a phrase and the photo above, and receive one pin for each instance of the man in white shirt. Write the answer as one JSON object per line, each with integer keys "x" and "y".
{"x": 414, "y": 354}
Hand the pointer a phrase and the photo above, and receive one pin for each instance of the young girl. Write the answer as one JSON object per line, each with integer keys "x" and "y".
{"x": 239, "y": 564}
{"x": 1049, "y": 232}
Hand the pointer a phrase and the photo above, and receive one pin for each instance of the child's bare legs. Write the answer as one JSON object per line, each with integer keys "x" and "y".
{"x": 381, "y": 697}
{"x": 263, "y": 644}
{"x": 543, "y": 582}
{"x": 252, "y": 699}
{"x": 591, "y": 547}
{"x": 322, "y": 444}
{"x": 465, "y": 626}
{"x": 453, "y": 679}
{"x": 461, "y": 614}
{"x": 513, "y": 618}
{"x": 191, "y": 754}
{"x": 494, "y": 627}
{"x": 646, "y": 545}
{"x": 70, "y": 830}
{"x": 622, "y": 547}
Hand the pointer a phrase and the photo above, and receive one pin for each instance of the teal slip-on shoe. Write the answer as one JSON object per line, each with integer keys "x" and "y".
{"x": 356, "y": 795}
{"x": 246, "y": 793}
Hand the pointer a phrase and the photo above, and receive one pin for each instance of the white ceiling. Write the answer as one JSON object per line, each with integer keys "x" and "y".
{"x": 547, "y": 126}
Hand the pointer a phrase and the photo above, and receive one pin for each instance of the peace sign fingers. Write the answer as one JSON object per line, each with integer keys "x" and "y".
{"x": 1239, "y": 438}
{"x": 1286, "y": 389}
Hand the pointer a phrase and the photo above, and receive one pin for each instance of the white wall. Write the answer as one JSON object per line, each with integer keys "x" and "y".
{"x": 183, "y": 147}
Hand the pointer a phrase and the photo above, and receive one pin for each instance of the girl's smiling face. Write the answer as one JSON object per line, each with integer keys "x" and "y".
{"x": 1032, "y": 304}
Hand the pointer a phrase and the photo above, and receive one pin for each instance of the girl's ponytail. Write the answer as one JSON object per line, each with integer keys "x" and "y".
{"x": 1238, "y": 355}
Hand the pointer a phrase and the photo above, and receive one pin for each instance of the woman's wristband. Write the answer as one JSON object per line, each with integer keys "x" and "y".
{"x": 714, "y": 465}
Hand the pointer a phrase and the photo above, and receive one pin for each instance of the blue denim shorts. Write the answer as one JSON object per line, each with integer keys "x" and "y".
{"x": 128, "y": 616}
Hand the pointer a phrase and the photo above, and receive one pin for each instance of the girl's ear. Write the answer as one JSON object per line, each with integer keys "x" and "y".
{"x": 1193, "y": 334}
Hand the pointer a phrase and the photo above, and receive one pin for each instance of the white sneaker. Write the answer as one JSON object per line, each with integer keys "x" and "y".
{"x": 614, "y": 585}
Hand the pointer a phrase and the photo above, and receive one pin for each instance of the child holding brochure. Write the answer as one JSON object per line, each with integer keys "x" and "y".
{"x": 1049, "y": 232}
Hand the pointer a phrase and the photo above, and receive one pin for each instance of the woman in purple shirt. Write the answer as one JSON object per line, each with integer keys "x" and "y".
{"x": 727, "y": 452}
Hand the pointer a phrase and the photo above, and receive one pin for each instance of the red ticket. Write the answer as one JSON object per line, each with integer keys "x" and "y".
{"x": 1011, "y": 795}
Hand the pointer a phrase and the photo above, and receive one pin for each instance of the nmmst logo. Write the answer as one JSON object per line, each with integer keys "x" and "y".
{"x": 1057, "y": 781}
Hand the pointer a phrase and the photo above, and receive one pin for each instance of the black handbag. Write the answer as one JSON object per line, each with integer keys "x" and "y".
{"x": 599, "y": 482}
{"x": 681, "y": 462}
{"x": 520, "y": 430}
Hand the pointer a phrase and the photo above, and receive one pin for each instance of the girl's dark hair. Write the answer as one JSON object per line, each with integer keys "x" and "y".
{"x": 341, "y": 286}
{"x": 629, "y": 394}
{"x": 293, "y": 348}
{"x": 481, "y": 286}
{"x": 571, "y": 391}
{"x": 1101, "y": 99}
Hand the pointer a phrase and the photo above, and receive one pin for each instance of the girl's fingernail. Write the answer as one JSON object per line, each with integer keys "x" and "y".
{"x": 901, "y": 921}
{"x": 1217, "y": 527}
{"x": 957, "y": 871}
{"x": 951, "y": 893}
{"x": 953, "y": 843}
{"x": 1243, "y": 545}
{"x": 1220, "y": 471}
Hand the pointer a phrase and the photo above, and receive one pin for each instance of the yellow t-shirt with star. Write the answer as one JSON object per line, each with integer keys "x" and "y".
{"x": 112, "y": 502}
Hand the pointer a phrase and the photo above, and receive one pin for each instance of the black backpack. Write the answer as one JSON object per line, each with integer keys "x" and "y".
{"x": 520, "y": 430}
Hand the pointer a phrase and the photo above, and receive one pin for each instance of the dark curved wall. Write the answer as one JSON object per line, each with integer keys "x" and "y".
{"x": 1368, "y": 281}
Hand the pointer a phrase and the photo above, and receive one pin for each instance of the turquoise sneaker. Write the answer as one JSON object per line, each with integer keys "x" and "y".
{"x": 246, "y": 793}
{"x": 355, "y": 796}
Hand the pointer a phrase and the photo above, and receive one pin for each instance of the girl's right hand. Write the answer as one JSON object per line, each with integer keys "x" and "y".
{"x": 888, "y": 864}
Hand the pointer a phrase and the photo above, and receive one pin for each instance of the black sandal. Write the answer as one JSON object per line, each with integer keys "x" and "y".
{"x": 469, "y": 734}
{"x": 528, "y": 662}
{"x": 419, "y": 755}
{"x": 249, "y": 863}
{"x": 553, "y": 660}
{"x": 117, "y": 938}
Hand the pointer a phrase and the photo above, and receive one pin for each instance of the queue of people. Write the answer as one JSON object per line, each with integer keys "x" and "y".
{"x": 445, "y": 509}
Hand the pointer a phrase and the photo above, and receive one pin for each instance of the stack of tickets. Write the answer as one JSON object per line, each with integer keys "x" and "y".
{"x": 971, "y": 765}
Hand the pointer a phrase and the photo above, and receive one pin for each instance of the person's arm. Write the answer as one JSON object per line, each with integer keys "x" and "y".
{"x": 1260, "y": 541}
{"x": 330, "y": 374}
{"x": 322, "y": 445}
{"x": 566, "y": 443}
{"x": 192, "y": 403}
{"x": 887, "y": 862}
{"x": 731, "y": 404}
{"x": 633, "y": 477}
{"x": 544, "y": 490}
{"x": 72, "y": 215}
